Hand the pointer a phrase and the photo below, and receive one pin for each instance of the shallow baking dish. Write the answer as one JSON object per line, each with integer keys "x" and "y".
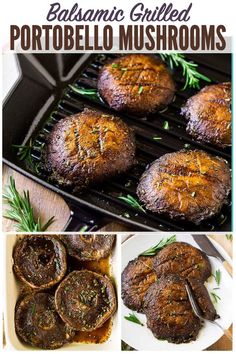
{"x": 11, "y": 289}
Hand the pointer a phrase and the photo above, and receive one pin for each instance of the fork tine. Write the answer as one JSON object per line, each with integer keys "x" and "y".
{"x": 193, "y": 302}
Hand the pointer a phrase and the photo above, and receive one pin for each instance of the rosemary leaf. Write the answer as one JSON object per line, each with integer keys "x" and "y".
{"x": 166, "y": 125}
{"x": 21, "y": 211}
{"x": 83, "y": 228}
{"x": 91, "y": 93}
{"x": 186, "y": 146}
{"x": 133, "y": 318}
{"x": 229, "y": 237}
{"x": 25, "y": 154}
{"x": 133, "y": 202}
{"x": 115, "y": 66}
{"x": 189, "y": 69}
{"x": 140, "y": 90}
{"x": 217, "y": 276}
{"x": 215, "y": 297}
{"x": 152, "y": 251}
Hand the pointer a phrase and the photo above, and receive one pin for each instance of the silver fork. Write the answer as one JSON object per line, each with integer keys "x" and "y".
{"x": 198, "y": 312}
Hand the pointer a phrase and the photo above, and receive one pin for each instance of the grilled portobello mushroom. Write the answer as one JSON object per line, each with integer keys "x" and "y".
{"x": 209, "y": 114}
{"x": 38, "y": 323}
{"x": 184, "y": 260}
{"x": 88, "y": 247}
{"x": 191, "y": 185}
{"x": 139, "y": 84}
{"x": 88, "y": 147}
{"x": 40, "y": 261}
{"x": 169, "y": 312}
{"x": 136, "y": 278}
{"x": 85, "y": 300}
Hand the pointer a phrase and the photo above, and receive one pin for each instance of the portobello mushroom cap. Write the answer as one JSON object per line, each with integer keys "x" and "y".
{"x": 139, "y": 84}
{"x": 88, "y": 147}
{"x": 85, "y": 300}
{"x": 189, "y": 185}
{"x": 38, "y": 323}
{"x": 183, "y": 259}
{"x": 209, "y": 114}
{"x": 136, "y": 278}
{"x": 40, "y": 261}
{"x": 88, "y": 247}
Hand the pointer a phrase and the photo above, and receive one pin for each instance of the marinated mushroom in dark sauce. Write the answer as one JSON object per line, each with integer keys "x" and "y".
{"x": 40, "y": 318}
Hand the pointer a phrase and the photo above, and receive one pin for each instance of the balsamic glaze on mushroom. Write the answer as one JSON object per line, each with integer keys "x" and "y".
{"x": 40, "y": 261}
{"x": 88, "y": 247}
{"x": 85, "y": 300}
{"x": 38, "y": 323}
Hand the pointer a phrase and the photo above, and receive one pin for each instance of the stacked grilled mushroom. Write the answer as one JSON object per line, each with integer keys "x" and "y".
{"x": 58, "y": 303}
{"x": 155, "y": 286}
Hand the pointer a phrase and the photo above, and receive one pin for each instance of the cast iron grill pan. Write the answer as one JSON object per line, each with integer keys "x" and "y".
{"x": 104, "y": 197}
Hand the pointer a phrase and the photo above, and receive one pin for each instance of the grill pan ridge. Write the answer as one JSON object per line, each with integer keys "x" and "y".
{"x": 103, "y": 198}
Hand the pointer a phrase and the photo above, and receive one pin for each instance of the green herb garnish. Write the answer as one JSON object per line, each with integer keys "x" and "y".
{"x": 187, "y": 146}
{"x": 189, "y": 69}
{"x": 21, "y": 210}
{"x": 25, "y": 154}
{"x": 229, "y": 237}
{"x": 83, "y": 228}
{"x": 152, "y": 251}
{"x": 115, "y": 66}
{"x": 223, "y": 219}
{"x": 217, "y": 276}
{"x": 140, "y": 90}
{"x": 215, "y": 297}
{"x": 133, "y": 202}
{"x": 33, "y": 307}
{"x": 126, "y": 347}
{"x": 133, "y": 318}
{"x": 91, "y": 93}
{"x": 166, "y": 125}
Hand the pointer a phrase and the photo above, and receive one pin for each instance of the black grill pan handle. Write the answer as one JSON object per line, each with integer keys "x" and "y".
{"x": 81, "y": 220}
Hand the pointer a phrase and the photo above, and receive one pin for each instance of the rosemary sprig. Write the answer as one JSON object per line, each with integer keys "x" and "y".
{"x": 152, "y": 251}
{"x": 91, "y": 93}
{"x": 217, "y": 276}
{"x": 21, "y": 210}
{"x": 192, "y": 76}
{"x": 229, "y": 237}
{"x": 133, "y": 318}
{"x": 215, "y": 297}
{"x": 25, "y": 154}
{"x": 132, "y": 201}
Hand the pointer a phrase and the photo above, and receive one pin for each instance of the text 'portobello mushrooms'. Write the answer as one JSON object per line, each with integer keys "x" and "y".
{"x": 209, "y": 114}
{"x": 38, "y": 323}
{"x": 85, "y": 300}
{"x": 88, "y": 147}
{"x": 189, "y": 185}
{"x": 183, "y": 259}
{"x": 40, "y": 261}
{"x": 136, "y": 278}
{"x": 88, "y": 247}
{"x": 137, "y": 83}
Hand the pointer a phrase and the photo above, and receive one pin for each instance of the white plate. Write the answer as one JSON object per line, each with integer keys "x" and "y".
{"x": 11, "y": 295}
{"x": 141, "y": 338}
